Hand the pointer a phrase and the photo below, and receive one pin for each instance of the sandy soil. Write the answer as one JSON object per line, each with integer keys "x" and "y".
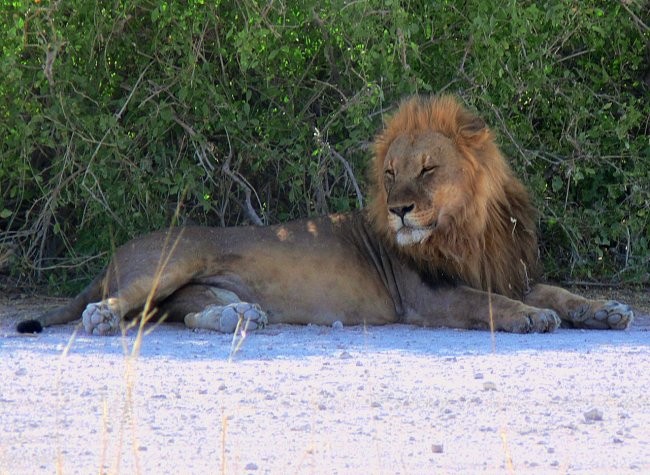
{"x": 395, "y": 399}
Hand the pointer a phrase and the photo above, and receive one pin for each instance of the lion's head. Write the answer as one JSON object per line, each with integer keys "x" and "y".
{"x": 444, "y": 196}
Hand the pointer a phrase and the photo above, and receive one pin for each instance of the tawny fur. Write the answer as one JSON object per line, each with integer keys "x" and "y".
{"x": 492, "y": 244}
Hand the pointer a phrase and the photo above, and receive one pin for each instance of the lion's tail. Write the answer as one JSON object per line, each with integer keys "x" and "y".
{"x": 67, "y": 313}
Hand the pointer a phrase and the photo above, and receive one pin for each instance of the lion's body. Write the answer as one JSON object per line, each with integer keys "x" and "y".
{"x": 305, "y": 271}
{"x": 449, "y": 239}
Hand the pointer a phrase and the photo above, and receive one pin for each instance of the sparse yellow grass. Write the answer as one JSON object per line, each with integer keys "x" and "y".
{"x": 128, "y": 422}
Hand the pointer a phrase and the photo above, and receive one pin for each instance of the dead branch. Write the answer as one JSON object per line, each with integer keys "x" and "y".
{"x": 243, "y": 184}
{"x": 639, "y": 23}
{"x": 201, "y": 151}
{"x": 249, "y": 210}
{"x": 585, "y": 283}
{"x": 348, "y": 169}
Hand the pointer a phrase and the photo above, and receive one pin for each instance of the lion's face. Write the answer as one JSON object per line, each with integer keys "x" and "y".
{"x": 443, "y": 193}
{"x": 427, "y": 184}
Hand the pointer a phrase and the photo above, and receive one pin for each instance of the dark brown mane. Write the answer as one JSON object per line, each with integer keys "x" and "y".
{"x": 492, "y": 243}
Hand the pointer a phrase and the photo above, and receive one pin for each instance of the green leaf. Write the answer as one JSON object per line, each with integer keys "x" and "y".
{"x": 557, "y": 184}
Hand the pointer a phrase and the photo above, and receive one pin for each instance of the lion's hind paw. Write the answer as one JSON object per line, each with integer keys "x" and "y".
{"x": 100, "y": 318}
{"x": 226, "y": 318}
{"x": 607, "y": 314}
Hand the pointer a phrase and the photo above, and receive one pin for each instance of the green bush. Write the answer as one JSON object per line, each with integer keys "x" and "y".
{"x": 119, "y": 118}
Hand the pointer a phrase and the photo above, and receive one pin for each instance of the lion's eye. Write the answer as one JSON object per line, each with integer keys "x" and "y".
{"x": 427, "y": 170}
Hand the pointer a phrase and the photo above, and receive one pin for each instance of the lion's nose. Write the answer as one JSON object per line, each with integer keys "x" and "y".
{"x": 401, "y": 211}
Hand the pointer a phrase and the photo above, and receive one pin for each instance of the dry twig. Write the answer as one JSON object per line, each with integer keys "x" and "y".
{"x": 348, "y": 169}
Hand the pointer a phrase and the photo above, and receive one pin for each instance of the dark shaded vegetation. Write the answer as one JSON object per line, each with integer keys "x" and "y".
{"x": 122, "y": 117}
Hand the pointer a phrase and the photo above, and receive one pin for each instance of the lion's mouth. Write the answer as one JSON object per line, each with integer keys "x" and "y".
{"x": 408, "y": 235}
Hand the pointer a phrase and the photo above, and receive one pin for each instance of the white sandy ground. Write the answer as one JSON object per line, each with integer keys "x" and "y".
{"x": 315, "y": 400}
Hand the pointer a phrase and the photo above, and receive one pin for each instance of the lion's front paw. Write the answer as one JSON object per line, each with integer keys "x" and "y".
{"x": 533, "y": 320}
{"x": 225, "y": 318}
{"x": 100, "y": 319}
{"x": 602, "y": 314}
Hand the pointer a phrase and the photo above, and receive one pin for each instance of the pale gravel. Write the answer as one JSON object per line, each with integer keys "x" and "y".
{"x": 352, "y": 400}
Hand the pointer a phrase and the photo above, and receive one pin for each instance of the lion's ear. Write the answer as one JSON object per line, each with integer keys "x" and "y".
{"x": 471, "y": 125}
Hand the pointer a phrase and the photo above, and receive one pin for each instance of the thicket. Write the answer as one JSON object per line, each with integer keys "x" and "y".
{"x": 118, "y": 117}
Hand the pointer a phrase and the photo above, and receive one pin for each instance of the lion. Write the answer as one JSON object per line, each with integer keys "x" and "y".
{"x": 449, "y": 239}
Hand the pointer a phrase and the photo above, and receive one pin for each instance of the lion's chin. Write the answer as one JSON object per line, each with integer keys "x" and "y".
{"x": 406, "y": 236}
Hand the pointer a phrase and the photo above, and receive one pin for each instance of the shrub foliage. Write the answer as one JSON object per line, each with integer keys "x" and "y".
{"x": 121, "y": 117}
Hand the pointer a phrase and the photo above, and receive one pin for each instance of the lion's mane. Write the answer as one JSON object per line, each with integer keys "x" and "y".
{"x": 492, "y": 243}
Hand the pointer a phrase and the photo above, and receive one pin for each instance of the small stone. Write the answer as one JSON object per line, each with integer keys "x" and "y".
{"x": 593, "y": 415}
{"x": 337, "y": 325}
{"x": 302, "y": 428}
{"x": 478, "y": 376}
{"x": 489, "y": 386}
{"x": 251, "y": 466}
{"x": 437, "y": 448}
{"x": 345, "y": 355}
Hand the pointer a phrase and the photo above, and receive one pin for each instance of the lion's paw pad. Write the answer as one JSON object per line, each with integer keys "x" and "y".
{"x": 608, "y": 314}
{"x": 225, "y": 318}
{"x": 100, "y": 319}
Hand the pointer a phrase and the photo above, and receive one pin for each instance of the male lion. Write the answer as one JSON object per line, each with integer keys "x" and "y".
{"x": 448, "y": 240}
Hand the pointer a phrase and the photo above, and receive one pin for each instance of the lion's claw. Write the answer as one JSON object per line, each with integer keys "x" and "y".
{"x": 543, "y": 321}
{"x": 225, "y": 318}
{"x": 532, "y": 320}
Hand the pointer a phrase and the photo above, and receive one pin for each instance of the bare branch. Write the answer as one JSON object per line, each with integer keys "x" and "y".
{"x": 201, "y": 151}
{"x": 249, "y": 210}
{"x": 348, "y": 169}
{"x": 225, "y": 168}
{"x": 642, "y": 26}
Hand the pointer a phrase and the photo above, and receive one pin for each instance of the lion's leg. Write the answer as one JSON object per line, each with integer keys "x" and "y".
{"x": 136, "y": 288}
{"x": 212, "y": 308}
{"x": 464, "y": 307}
{"x": 225, "y": 318}
{"x": 579, "y": 312}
